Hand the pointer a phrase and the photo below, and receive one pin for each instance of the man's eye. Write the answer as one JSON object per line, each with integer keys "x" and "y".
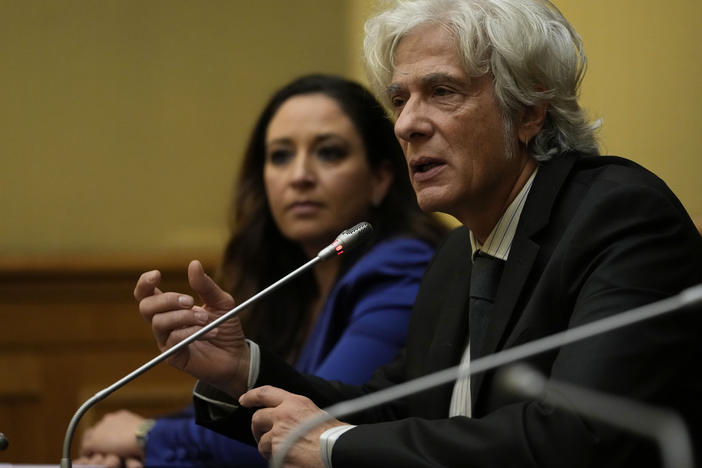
{"x": 332, "y": 153}
{"x": 442, "y": 91}
{"x": 279, "y": 157}
{"x": 397, "y": 102}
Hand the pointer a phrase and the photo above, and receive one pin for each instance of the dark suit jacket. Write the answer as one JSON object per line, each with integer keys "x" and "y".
{"x": 598, "y": 235}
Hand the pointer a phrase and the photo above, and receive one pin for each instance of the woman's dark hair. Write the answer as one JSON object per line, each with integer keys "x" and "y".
{"x": 257, "y": 254}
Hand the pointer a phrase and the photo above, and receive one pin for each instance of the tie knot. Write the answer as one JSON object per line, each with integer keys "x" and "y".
{"x": 485, "y": 276}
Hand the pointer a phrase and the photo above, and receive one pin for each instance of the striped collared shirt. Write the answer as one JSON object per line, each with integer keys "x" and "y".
{"x": 499, "y": 242}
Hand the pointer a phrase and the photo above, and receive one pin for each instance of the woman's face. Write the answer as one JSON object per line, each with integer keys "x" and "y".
{"x": 317, "y": 178}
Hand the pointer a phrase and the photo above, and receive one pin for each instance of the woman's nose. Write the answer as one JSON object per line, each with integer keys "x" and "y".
{"x": 303, "y": 170}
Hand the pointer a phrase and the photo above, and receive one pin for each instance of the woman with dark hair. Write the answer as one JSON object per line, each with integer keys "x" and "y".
{"x": 322, "y": 157}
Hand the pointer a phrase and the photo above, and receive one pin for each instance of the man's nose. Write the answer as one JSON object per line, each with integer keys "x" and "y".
{"x": 413, "y": 123}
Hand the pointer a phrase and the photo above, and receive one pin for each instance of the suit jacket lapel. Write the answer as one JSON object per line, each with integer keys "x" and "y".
{"x": 444, "y": 325}
{"x": 523, "y": 253}
{"x": 451, "y": 334}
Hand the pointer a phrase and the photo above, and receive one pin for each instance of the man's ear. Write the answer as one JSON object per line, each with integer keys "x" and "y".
{"x": 531, "y": 121}
{"x": 383, "y": 176}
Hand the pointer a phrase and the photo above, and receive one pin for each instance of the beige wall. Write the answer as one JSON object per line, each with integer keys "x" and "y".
{"x": 121, "y": 120}
{"x": 644, "y": 82}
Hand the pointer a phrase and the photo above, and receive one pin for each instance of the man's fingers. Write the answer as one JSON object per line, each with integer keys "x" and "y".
{"x": 267, "y": 398}
{"x": 174, "y": 326}
{"x": 147, "y": 285}
{"x": 179, "y": 335}
{"x": 263, "y": 397}
{"x": 164, "y": 302}
{"x": 280, "y": 412}
{"x": 265, "y": 445}
{"x": 262, "y": 422}
{"x": 207, "y": 289}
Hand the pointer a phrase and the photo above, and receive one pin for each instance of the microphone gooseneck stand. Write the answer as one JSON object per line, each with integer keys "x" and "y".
{"x": 345, "y": 241}
{"x": 685, "y": 298}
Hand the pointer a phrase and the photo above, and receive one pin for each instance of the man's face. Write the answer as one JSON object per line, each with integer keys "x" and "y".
{"x": 450, "y": 129}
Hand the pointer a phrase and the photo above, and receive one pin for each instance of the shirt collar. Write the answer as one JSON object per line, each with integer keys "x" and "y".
{"x": 499, "y": 242}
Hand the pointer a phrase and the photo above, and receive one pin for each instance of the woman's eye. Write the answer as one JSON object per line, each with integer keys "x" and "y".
{"x": 280, "y": 156}
{"x": 331, "y": 153}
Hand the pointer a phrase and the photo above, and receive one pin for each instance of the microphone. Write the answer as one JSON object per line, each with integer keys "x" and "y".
{"x": 662, "y": 425}
{"x": 687, "y": 297}
{"x": 347, "y": 239}
{"x": 4, "y": 443}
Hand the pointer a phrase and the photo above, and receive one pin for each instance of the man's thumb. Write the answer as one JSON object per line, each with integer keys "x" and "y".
{"x": 207, "y": 289}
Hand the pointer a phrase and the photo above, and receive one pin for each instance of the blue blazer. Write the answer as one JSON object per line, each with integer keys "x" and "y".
{"x": 362, "y": 326}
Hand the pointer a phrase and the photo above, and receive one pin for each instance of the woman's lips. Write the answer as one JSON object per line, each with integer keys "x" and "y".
{"x": 302, "y": 208}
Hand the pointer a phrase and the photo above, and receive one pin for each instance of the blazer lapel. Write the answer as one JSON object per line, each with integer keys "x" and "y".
{"x": 451, "y": 334}
{"x": 442, "y": 326}
{"x": 523, "y": 253}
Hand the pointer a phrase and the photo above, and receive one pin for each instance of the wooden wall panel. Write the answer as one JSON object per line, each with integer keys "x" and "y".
{"x": 68, "y": 328}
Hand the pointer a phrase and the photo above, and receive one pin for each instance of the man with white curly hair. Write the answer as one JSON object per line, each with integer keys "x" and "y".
{"x": 484, "y": 94}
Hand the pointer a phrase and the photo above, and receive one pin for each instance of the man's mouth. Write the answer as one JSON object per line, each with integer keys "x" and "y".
{"x": 425, "y": 165}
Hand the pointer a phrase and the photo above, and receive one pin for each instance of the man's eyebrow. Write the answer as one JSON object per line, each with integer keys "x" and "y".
{"x": 427, "y": 80}
{"x": 393, "y": 88}
{"x": 440, "y": 77}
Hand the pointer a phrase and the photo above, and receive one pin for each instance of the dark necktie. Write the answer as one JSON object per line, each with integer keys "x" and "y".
{"x": 484, "y": 278}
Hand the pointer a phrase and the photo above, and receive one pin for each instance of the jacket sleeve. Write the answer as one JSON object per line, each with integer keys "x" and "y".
{"x": 177, "y": 441}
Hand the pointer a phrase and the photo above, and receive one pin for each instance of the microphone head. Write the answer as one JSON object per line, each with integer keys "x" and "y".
{"x": 348, "y": 239}
{"x": 521, "y": 379}
{"x": 4, "y": 443}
